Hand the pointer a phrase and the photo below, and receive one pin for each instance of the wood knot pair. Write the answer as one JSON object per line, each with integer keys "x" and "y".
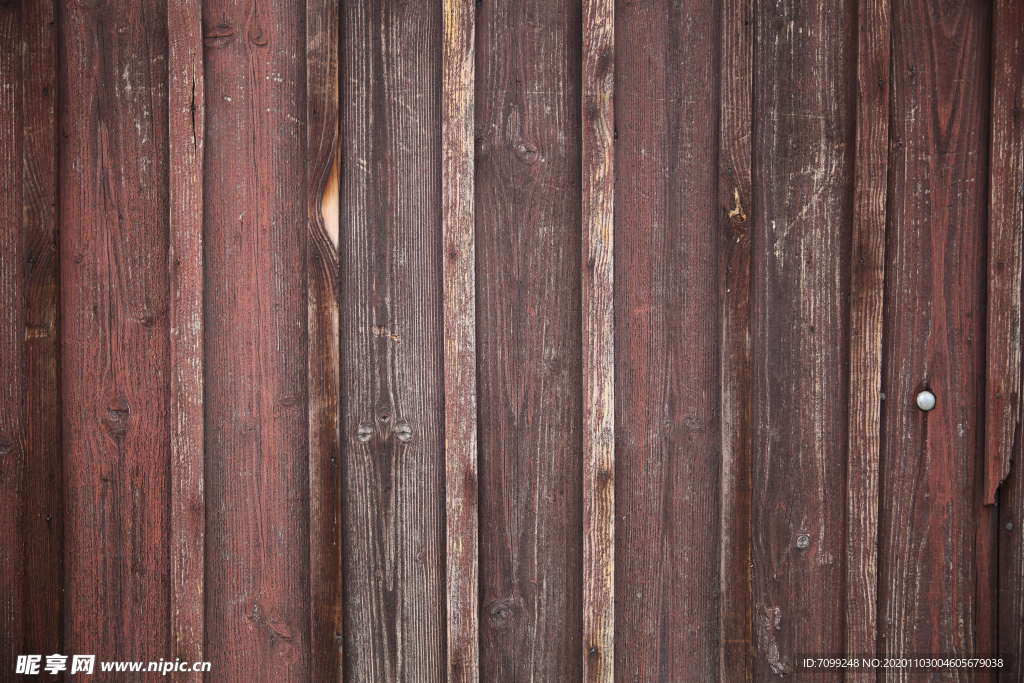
{"x": 402, "y": 430}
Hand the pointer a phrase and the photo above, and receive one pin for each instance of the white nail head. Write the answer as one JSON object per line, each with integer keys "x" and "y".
{"x": 926, "y": 400}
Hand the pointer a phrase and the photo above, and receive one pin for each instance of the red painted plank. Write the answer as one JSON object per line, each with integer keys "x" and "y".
{"x": 186, "y": 140}
{"x": 459, "y": 291}
{"x": 735, "y": 218}
{"x": 803, "y": 158}
{"x": 867, "y": 287}
{"x": 667, "y": 326}
{"x": 257, "y": 477}
{"x": 391, "y": 342}
{"x": 115, "y": 360}
{"x": 528, "y": 218}
{"x": 935, "y": 539}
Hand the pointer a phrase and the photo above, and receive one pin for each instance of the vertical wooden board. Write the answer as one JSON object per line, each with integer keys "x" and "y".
{"x": 1011, "y": 569}
{"x": 597, "y": 268}
{"x": 736, "y": 50}
{"x": 459, "y": 294}
{"x": 186, "y": 139}
{"x": 42, "y": 522}
{"x": 867, "y": 286}
{"x": 391, "y": 341}
{"x": 257, "y": 562}
{"x": 803, "y": 142}
{"x": 666, "y": 309}
{"x": 934, "y": 583}
{"x": 115, "y": 365}
{"x": 322, "y": 185}
{"x": 528, "y": 218}
{"x": 13, "y": 439}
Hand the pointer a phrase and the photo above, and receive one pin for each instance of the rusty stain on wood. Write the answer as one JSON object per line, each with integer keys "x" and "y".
{"x": 597, "y": 268}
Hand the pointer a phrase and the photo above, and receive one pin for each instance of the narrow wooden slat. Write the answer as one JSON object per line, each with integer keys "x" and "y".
{"x": 391, "y": 341}
{"x": 735, "y": 218}
{"x": 804, "y": 124}
{"x": 1006, "y": 225}
{"x": 598, "y": 123}
{"x": 460, "y": 443}
{"x": 187, "y": 114}
{"x": 528, "y": 220}
{"x": 935, "y": 538}
{"x": 866, "y": 291}
{"x": 1010, "y": 531}
{"x": 257, "y": 429}
{"x": 322, "y": 185}
{"x": 115, "y": 332}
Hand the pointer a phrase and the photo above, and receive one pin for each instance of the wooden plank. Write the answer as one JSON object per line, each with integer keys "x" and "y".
{"x": 322, "y": 185}
{"x": 115, "y": 357}
{"x": 867, "y": 286}
{"x": 1010, "y": 624}
{"x": 391, "y": 342}
{"x": 460, "y": 370}
{"x": 667, "y": 325}
{"x": 528, "y": 223}
{"x": 803, "y": 159}
{"x": 735, "y": 648}
{"x": 257, "y": 430}
{"x": 186, "y": 139}
{"x": 13, "y": 446}
{"x": 935, "y": 540}
{"x": 598, "y": 203}
{"x": 1006, "y": 225}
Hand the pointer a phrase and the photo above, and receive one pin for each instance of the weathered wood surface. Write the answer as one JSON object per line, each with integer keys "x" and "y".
{"x": 115, "y": 355}
{"x": 257, "y": 448}
{"x": 528, "y": 218}
{"x": 667, "y": 312}
{"x": 803, "y": 145}
{"x": 391, "y": 340}
{"x": 323, "y": 176}
{"x": 935, "y": 539}
{"x": 598, "y": 343}
{"x": 186, "y": 141}
{"x": 1005, "y": 229}
{"x": 458, "y": 69}
{"x": 867, "y": 286}
{"x": 735, "y": 218}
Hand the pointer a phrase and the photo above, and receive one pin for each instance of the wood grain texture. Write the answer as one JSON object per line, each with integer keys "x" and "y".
{"x": 115, "y": 332}
{"x": 1005, "y": 228}
{"x": 391, "y": 342}
{"x": 528, "y": 224}
{"x": 867, "y": 287}
{"x": 598, "y": 209}
{"x": 257, "y": 430}
{"x": 186, "y": 139}
{"x": 803, "y": 145}
{"x": 1011, "y": 568}
{"x": 323, "y": 166}
{"x": 735, "y": 218}
{"x": 667, "y": 307}
{"x": 935, "y": 540}
{"x": 460, "y": 355}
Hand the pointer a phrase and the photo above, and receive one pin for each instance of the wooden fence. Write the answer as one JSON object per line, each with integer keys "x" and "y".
{"x": 515, "y": 340}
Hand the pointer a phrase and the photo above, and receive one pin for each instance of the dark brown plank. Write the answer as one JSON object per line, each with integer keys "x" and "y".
{"x": 186, "y": 140}
{"x": 667, "y": 312}
{"x": 115, "y": 361}
{"x": 392, "y": 389}
{"x": 803, "y": 159}
{"x": 257, "y": 434}
{"x": 459, "y": 292}
{"x": 935, "y": 539}
{"x": 322, "y": 185}
{"x": 735, "y": 218}
{"x": 867, "y": 286}
{"x": 528, "y": 218}
{"x": 13, "y": 439}
{"x": 598, "y": 210}
{"x": 1005, "y": 257}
